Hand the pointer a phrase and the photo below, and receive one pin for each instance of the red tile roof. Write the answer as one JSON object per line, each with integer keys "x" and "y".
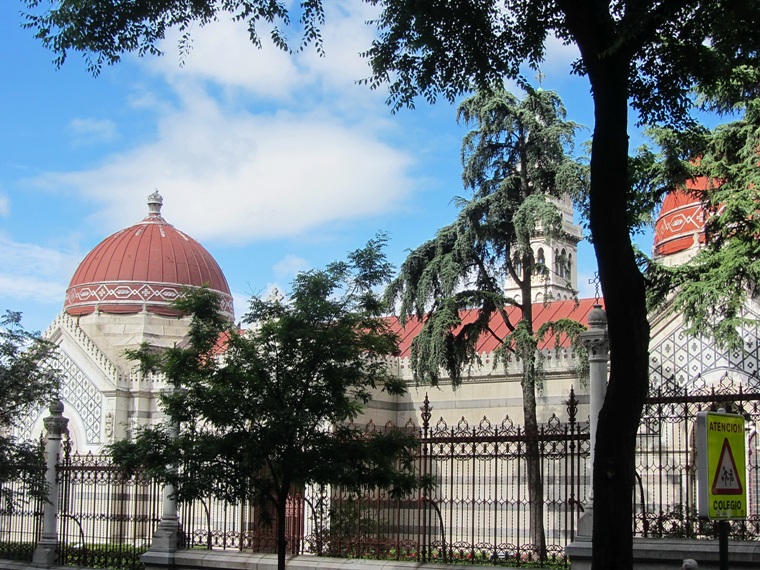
{"x": 542, "y": 313}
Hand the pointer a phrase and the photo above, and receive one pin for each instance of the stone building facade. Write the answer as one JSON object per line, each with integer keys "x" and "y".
{"x": 121, "y": 294}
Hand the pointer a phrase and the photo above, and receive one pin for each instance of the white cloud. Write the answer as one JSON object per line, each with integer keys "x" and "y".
{"x": 346, "y": 35}
{"x": 222, "y": 53}
{"x": 307, "y": 150}
{"x": 289, "y": 266}
{"x": 5, "y": 205}
{"x": 33, "y": 272}
{"x": 243, "y": 177}
{"x": 87, "y": 131}
{"x": 240, "y": 304}
{"x": 558, "y": 56}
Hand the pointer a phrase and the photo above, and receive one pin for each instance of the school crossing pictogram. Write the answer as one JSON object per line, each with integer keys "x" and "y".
{"x": 726, "y": 480}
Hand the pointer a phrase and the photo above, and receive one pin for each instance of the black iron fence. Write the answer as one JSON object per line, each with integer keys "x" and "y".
{"x": 479, "y": 508}
{"x": 666, "y": 495}
{"x": 106, "y": 518}
{"x": 477, "y": 512}
{"x": 20, "y": 522}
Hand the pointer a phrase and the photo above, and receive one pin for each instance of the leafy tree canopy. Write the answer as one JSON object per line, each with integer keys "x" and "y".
{"x": 104, "y": 30}
{"x": 267, "y": 410}
{"x": 711, "y": 290}
{"x": 28, "y": 380}
{"x": 516, "y": 161}
{"x": 443, "y": 48}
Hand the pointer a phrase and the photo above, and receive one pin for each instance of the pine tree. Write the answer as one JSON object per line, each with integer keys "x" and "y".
{"x": 516, "y": 163}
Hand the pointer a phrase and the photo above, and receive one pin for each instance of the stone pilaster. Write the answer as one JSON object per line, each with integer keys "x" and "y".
{"x": 166, "y": 539}
{"x": 55, "y": 425}
{"x": 597, "y": 345}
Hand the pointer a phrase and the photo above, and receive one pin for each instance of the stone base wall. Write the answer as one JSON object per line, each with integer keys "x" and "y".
{"x": 668, "y": 554}
{"x": 649, "y": 554}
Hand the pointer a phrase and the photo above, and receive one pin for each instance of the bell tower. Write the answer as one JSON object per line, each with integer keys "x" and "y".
{"x": 558, "y": 259}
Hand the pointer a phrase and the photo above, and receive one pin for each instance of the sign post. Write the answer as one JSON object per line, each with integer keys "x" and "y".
{"x": 721, "y": 472}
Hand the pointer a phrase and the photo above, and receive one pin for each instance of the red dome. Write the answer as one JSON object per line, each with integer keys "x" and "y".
{"x": 144, "y": 267}
{"x": 681, "y": 222}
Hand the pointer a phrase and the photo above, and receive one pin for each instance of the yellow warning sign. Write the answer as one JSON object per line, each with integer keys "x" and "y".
{"x": 721, "y": 467}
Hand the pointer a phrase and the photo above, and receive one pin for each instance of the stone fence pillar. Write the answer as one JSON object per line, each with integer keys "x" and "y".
{"x": 55, "y": 425}
{"x": 166, "y": 539}
{"x": 597, "y": 345}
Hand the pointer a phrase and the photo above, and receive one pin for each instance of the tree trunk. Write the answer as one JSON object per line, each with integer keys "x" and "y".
{"x": 607, "y": 59}
{"x": 281, "y": 526}
{"x": 533, "y": 458}
{"x": 532, "y": 453}
{"x": 624, "y": 297}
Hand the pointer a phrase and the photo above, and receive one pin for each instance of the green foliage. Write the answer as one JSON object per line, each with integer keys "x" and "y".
{"x": 111, "y": 556}
{"x": 104, "y": 30}
{"x": 570, "y": 330}
{"x": 437, "y": 48}
{"x": 711, "y": 290}
{"x": 515, "y": 161}
{"x": 353, "y": 522}
{"x": 266, "y": 410}
{"x": 513, "y": 132}
{"x": 17, "y": 550}
{"x": 28, "y": 380}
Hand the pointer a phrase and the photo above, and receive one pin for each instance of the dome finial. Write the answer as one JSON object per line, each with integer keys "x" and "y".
{"x": 155, "y": 201}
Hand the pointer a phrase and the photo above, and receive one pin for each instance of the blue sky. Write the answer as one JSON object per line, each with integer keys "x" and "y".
{"x": 275, "y": 163}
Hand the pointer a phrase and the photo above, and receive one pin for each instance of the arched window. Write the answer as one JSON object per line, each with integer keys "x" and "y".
{"x": 517, "y": 265}
{"x": 540, "y": 258}
{"x": 562, "y": 273}
{"x": 569, "y": 266}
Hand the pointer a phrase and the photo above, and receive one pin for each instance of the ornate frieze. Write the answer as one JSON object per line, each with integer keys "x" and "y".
{"x": 128, "y": 293}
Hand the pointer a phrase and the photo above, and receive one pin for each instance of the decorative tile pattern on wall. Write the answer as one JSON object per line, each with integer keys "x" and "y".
{"x": 682, "y": 360}
{"x": 79, "y": 391}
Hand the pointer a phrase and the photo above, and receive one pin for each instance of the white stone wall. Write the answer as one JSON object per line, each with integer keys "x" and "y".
{"x": 494, "y": 393}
